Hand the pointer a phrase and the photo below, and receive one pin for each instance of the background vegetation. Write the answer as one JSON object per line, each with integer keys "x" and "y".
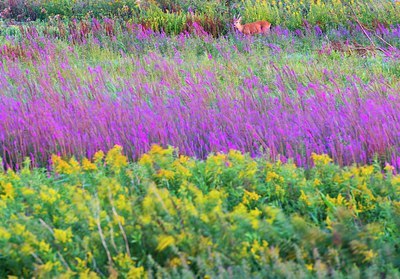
{"x": 214, "y": 16}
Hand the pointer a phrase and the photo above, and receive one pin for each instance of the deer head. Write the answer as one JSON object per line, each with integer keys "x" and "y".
{"x": 236, "y": 22}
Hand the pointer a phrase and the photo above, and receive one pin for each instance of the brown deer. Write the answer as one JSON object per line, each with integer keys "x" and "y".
{"x": 258, "y": 27}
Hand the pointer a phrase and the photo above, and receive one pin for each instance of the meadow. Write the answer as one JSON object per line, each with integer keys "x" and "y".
{"x": 152, "y": 139}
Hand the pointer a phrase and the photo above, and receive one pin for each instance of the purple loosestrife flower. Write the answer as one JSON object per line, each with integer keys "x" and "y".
{"x": 166, "y": 100}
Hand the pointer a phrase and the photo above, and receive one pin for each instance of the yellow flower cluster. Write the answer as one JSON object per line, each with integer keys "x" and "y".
{"x": 115, "y": 159}
{"x": 61, "y": 166}
{"x": 7, "y": 191}
{"x": 111, "y": 217}
{"x": 250, "y": 196}
{"x": 63, "y": 236}
{"x": 320, "y": 160}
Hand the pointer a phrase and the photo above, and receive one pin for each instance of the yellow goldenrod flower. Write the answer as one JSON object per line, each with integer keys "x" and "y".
{"x": 259, "y": 249}
{"x": 88, "y": 274}
{"x": 338, "y": 178}
{"x": 38, "y": 209}
{"x": 340, "y": 200}
{"x": 123, "y": 260}
{"x": 255, "y": 248}
{"x": 136, "y": 273}
{"x": 164, "y": 241}
{"x": 145, "y": 160}
{"x": 271, "y": 212}
{"x": 44, "y": 269}
{"x": 6, "y": 190}
{"x": 218, "y": 159}
{"x": 87, "y": 165}
{"x": 13, "y": 176}
{"x": 122, "y": 203}
{"x": 158, "y": 150}
{"x": 27, "y": 191}
{"x": 165, "y": 174}
{"x": 395, "y": 181}
{"x": 80, "y": 264}
{"x": 115, "y": 159}
{"x": 185, "y": 159}
{"x": 250, "y": 170}
{"x": 60, "y": 166}
{"x": 92, "y": 223}
{"x": 145, "y": 219}
{"x": 63, "y": 236}
{"x": 274, "y": 177}
{"x": 49, "y": 195}
{"x": 269, "y": 166}
{"x": 181, "y": 170}
{"x": 43, "y": 246}
{"x": 250, "y": 196}
{"x": 26, "y": 249}
{"x": 367, "y": 170}
{"x": 239, "y": 210}
{"x": 320, "y": 160}
{"x": 119, "y": 219}
{"x": 98, "y": 157}
{"x": 243, "y": 250}
{"x": 204, "y": 218}
{"x": 317, "y": 182}
{"x": 328, "y": 222}
{"x": 369, "y": 255}
{"x": 175, "y": 262}
{"x": 19, "y": 229}
{"x": 75, "y": 167}
{"x": 365, "y": 191}
{"x": 255, "y": 212}
{"x": 304, "y": 198}
{"x": 236, "y": 155}
{"x": 148, "y": 203}
{"x": 215, "y": 195}
{"x": 4, "y": 234}
{"x": 67, "y": 275}
{"x": 216, "y": 163}
{"x": 255, "y": 222}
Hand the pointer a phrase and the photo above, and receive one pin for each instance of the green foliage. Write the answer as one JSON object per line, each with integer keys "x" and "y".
{"x": 174, "y": 16}
{"x": 157, "y": 20}
{"x": 330, "y": 13}
{"x": 173, "y": 216}
{"x": 82, "y": 8}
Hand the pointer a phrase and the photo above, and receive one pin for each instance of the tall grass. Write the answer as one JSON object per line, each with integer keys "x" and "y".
{"x": 135, "y": 87}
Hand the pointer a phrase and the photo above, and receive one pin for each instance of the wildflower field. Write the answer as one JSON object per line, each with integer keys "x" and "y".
{"x": 150, "y": 139}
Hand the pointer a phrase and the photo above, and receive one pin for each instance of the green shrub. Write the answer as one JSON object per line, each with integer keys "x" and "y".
{"x": 176, "y": 16}
{"x": 174, "y": 216}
